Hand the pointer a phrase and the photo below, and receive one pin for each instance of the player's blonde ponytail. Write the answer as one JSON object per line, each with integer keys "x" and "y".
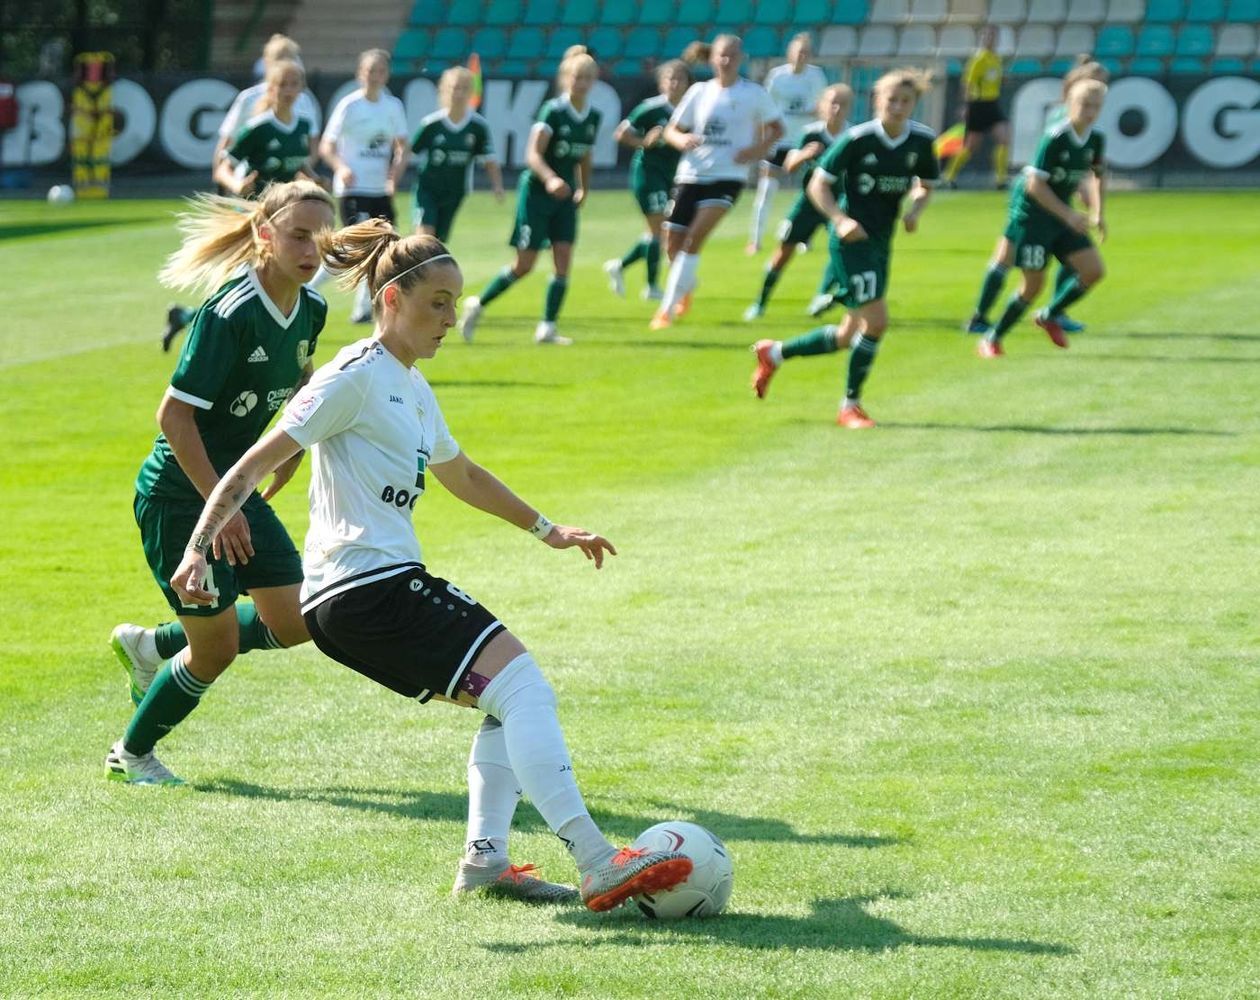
{"x": 372, "y": 251}
{"x": 222, "y": 234}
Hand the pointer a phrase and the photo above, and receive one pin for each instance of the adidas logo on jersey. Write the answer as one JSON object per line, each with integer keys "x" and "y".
{"x": 869, "y": 160}
{"x": 258, "y": 356}
{"x": 274, "y": 144}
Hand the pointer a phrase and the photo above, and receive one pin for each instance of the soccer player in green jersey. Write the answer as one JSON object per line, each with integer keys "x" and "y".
{"x": 1004, "y": 256}
{"x": 248, "y": 351}
{"x": 651, "y": 173}
{"x": 274, "y": 145}
{"x": 859, "y": 185}
{"x": 551, "y": 190}
{"x": 803, "y": 218}
{"x": 1043, "y": 223}
{"x": 447, "y": 143}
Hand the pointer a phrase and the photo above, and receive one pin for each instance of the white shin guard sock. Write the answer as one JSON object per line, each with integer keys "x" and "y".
{"x": 493, "y": 793}
{"x": 322, "y": 277}
{"x": 362, "y": 299}
{"x": 524, "y": 702}
{"x": 672, "y": 282}
{"x": 767, "y": 188}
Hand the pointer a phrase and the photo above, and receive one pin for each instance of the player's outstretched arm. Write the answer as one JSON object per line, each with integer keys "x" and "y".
{"x": 480, "y": 488}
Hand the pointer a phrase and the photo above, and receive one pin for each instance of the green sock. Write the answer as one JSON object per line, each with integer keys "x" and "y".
{"x": 767, "y": 286}
{"x": 1015, "y": 308}
{"x": 252, "y": 633}
{"x": 653, "y": 261}
{"x": 1066, "y": 274}
{"x": 636, "y": 252}
{"x": 1071, "y": 291}
{"x": 556, "y": 288}
{"x": 820, "y": 340}
{"x": 504, "y": 280}
{"x": 173, "y": 694}
{"x": 994, "y": 278}
{"x": 861, "y": 357}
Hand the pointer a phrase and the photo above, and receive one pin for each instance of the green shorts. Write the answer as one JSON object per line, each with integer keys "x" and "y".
{"x": 801, "y": 222}
{"x": 652, "y": 196}
{"x": 166, "y": 526}
{"x": 542, "y": 220}
{"x": 437, "y": 211}
{"x": 862, "y": 269}
{"x": 1035, "y": 240}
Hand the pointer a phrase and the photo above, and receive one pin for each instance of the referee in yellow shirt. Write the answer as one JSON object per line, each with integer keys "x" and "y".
{"x": 982, "y": 84}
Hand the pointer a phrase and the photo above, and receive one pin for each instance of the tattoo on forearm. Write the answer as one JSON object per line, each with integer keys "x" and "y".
{"x": 225, "y": 500}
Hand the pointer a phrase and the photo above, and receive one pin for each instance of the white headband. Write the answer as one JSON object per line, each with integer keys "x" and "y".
{"x": 414, "y": 267}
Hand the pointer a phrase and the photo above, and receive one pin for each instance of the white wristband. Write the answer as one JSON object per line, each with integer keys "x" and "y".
{"x": 542, "y": 527}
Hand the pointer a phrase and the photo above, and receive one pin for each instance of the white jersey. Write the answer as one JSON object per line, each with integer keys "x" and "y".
{"x": 796, "y": 95}
{"x": 373, "y": 427}
{"x": 728, "y": 119}
{"x": 243, "y": 106}
{"x": 364, "y": 132}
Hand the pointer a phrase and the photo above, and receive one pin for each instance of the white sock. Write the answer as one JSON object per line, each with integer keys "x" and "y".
{"x": 682, "y": 279}
{"x": 493, "y": 792}
{"x": 524, "y": 702}
{"x": 776, "y": 352}
{"x": 148, "y": 645}
{"x": 362, "y": 299}
{"x": 767, "y": 188}
{"x": 322, "y": 277}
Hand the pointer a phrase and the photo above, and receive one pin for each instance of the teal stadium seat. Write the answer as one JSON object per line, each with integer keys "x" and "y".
{"x": 1195, "y": 40}
{"x": 542, "y": 13}
{"x": 1154, "y": 40}
{"x": 762, "y": 42}
{"x": 489, "y": 43}
{"x": 583, "y": 12}
{"x": 773, "y": 13}
{"x": 1114, "y": 41}
{"x": 560, "y": 40}
{"x": 627, "y": 68}
{"x": 1146, "y": 66}
{"x": 428, "y": 14}
{"x": 1024, "y": 67}
{"x": 1228, "y": 64}
{"x": 465, "y": 12}
{"x": 1243, "y": 11}
{"x": 734, "y": 13}
{"x": 1164, "y": 11}
{"x": 849, "y": 12}
{"x": 1184, "y": 64}
{"x": 1205, "y": 11}
{"x": 812, "y": 15}
{"x": 618, "y": 13}
{"x": 527, "y": 44}
{"x": 642, "y": 42}
{"x": 656, "y": 12}
{"x": 605, "y": 42}
{"x": 1060, "y": 66}
{"x": 677, "y": 39}
{"x": 412, "y": 44}
{"x": 512, "y": 68}
{"x": 1112, "y": 65}
{"x": 695, "y": 12}
{"x": 547, "y": 68}
{"x": 503, "y": 12}
{"x": 449, "y": 43}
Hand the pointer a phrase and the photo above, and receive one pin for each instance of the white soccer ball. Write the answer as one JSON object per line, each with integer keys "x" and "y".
{"x": 61, "y": 194}
{"x": 707, "y": 889}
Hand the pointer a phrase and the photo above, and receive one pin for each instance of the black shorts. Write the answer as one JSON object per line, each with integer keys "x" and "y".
{"x": 361, "y": 207}
{"x": 685, "y": 199}
{"x": 776, "y": 158}
{"x": 983, "y": 115}
{"x": 412, "y": 632}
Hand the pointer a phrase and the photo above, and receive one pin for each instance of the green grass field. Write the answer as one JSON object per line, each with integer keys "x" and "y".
{"x": 972, "y": 697}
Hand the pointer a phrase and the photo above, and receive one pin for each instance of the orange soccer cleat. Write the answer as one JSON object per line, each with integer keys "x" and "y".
{"x": 987, "y": 348}
{"x": 765, "y": 367}
{"x": 854, "y": 417}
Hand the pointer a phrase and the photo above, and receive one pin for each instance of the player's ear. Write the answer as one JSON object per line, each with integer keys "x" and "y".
{"x": 390, "y": 297}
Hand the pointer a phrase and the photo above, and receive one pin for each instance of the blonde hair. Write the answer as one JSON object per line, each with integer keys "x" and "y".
{"x": 830, "y": 92}
{"x": 281, "y": 47}
{"x": 907, "y": 76}
{"x": 697, "y": 52}
{"x": 276, "y": 72}
{"x": 673, "y": 66}
{"x": 222, "y": 234}
{"x": 725, "y": 38}
{"x": 1086, "y": 68}
{"x": 373, "y": 55}
{"x": 574, "y": 64}
{"x": 372, "y": 251}
{"x": 801, "y": 38}
{"x": 448, "y": 81}
{"x": 1086, "y": 87}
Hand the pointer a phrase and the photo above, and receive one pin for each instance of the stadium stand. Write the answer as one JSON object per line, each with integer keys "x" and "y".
{"x": 528, "y": 37}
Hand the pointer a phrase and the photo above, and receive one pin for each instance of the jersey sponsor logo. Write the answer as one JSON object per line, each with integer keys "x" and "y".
{"x": 396, "y": 399}
{"x": 257, "y": 357}
{"x": 402, "y": 499}
{"x": 276, "y": 398}
{"x": 912, "y": 159}
{"x": 244, "y": 403}
{"x": 304, "y": 406}
{"x": 274, "y": 144}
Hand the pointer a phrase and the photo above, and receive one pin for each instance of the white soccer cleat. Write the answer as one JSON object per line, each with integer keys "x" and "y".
{"x": 468, "y": 322}
{"x": 651, "y": 294}
{"x": 545, "y": 333}
{"x": 819, "y": 304}
{"x": 361, "y": 316}
{"x": 616, "y": 281}
{"x": 135, "y": 649}
{"x": 511, "y": 881}
{"x": 137, "y": 770}
{"x": 753, "y": 312}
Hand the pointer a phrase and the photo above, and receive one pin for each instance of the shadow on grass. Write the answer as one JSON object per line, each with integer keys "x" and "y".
{"x": 1066, "y": 431}
{"x": 448, "y": 806}
{"x": 1197, "y": 335}
{"x": 20, "y": 230}
{"x": 1173, "y": 359}
{"x": 478, "y": 383}
{"x": 834, "y": 925}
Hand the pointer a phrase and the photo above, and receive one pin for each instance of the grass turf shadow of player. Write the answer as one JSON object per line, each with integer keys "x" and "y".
{"x": 1042, "y": 429}
{"x": 453, "y": 807}
{"x": 842, "y": 924}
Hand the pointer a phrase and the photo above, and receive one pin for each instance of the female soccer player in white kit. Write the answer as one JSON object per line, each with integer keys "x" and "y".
{"x": 796, "y": 87}
{"x": 375, "y": 432}
{"x": 721, "y": 126}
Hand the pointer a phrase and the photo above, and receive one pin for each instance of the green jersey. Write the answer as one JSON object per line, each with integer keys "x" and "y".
{"x": 1063, "y": 159}
{"x": 276, "y": 150}
{"x": 870, "y": 173}
{"x": 572, "y": 137}
{"x": 240, "y": 364}
{"x": 447, "y": 151}
{"x": 816, "y": 132}
{"x": 653, "y": 167}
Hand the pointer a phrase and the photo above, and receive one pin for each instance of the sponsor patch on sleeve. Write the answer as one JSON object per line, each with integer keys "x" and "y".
{"x": 303, "y": 407}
